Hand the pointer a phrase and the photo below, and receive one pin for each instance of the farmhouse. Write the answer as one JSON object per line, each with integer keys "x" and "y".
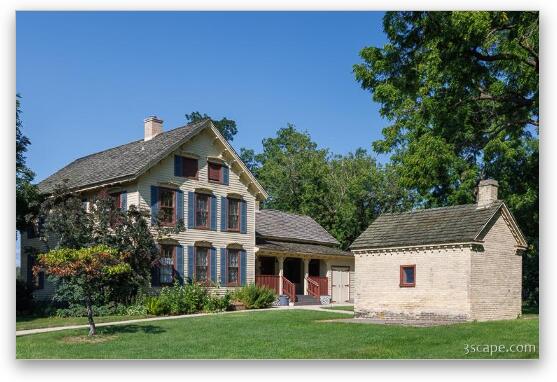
{"x": 191, "y": 174}
{"x": 451, "y": 264}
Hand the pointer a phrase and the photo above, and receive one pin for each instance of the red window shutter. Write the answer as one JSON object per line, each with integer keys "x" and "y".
{"x": 215, "y": 172}
{"x": 189, "y": 167}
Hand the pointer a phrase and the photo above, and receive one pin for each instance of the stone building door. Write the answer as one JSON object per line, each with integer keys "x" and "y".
{"x": 340, "y": 284}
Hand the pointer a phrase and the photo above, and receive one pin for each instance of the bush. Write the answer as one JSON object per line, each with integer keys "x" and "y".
{"x": 78, "y": 310}
{"x": 217, "y": 304}
{"x": 23, "y": 298}
{"x": 255, "y": 297}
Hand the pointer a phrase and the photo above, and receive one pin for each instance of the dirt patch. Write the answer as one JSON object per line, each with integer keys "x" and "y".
{"x": 97, "y": 339}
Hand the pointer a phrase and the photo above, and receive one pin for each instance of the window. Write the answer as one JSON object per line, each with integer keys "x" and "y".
{"x": 233, "y": 215}
{"x": 201, "y": 264}
{"x": 116, "y": 200}
{"x": 408, "y": 275}
{"x": 166, "y": 264}
{"x": 215, "y": 172}
{"x": 233, "y": 266}
{"x": 202, "y": 211}
{"x": 189, "y": 167}
{"x": 167, "y": 206}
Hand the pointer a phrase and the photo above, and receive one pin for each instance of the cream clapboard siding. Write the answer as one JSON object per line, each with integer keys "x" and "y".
{"x": 203, "y": 145}
{"x": 496, "y": 279}
{"x": 441, "y": 291}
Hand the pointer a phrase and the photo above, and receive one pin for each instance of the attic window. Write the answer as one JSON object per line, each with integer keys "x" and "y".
{"x": 215, "y": 172}
{"x": 408, "y": 276}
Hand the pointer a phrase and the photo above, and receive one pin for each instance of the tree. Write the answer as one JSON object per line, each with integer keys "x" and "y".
{"x": 86, "y": 270}
{"x": 26, "y": 193}
{"x": 460, "y": 90}
{"x": 227, "y": 127}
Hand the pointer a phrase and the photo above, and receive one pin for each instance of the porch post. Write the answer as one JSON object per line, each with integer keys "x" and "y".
{"x": 281, "y": 273}
{"x": 306, "y": 274}
{"x": 329, "y": 274}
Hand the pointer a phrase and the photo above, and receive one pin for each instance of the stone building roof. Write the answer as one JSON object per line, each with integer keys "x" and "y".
{"x": 458, "y": 224}
{"x": 285, "y": 226}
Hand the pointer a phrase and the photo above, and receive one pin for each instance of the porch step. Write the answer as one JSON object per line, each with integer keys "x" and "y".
{"x": 302, "y": 299}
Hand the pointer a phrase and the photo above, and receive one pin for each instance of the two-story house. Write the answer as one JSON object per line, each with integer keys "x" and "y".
{"x": 191, "y": 174}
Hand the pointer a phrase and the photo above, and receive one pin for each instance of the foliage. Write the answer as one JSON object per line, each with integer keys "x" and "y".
{"x": 460, "y": 90}
{"x": 227, "y": 127}
{"x": 26, "y": 193}
{"x": 110, "y": 309}
{"x": 23, "y": 298}
{"x": 185, "y": 299}
{"x": 85, "y": 272}
{"x": 255, "y": 297}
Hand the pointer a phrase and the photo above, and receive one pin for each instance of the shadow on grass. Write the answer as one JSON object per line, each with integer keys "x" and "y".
{"x": 118, "y": 329}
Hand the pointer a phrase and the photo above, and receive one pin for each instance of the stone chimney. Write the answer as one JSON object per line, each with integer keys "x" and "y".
{"x": 153, "y": 127}
{"x": 487, "y": 192}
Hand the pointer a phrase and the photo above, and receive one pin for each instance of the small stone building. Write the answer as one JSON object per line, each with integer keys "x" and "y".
{"x": 456, "y": 263}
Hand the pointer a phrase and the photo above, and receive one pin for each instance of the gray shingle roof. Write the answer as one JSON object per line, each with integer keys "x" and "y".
{"x": 284, "y": 226}
{"x": 291, "y": 247}
{"x": 119, "y": 163}
{"x": 458, "y": 224}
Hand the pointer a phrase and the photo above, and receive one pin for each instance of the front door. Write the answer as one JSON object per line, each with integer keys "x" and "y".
{"x": 341, "y": 284}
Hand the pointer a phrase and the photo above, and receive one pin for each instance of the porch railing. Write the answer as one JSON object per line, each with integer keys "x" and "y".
{"x": 269, "y": 281}
{"x": 323, "y": 284}
{"x": 313, "y": 288}
{"x": 289, "y": 289}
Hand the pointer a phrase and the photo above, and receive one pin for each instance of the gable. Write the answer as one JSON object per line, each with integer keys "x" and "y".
{"x": 505, "y": 214}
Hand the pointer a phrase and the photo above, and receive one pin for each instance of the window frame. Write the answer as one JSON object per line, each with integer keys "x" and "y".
{"x": 208, "y": 272}
{"x": 160, "y": 207}
{"x": 239, "y": 202}
{"x": 238, "y": 281}
{"x": 220, "y": 179}
{"x": 173, "y": 257}
{"x": 195, "y": 224}
{"x": 403, "y": 283}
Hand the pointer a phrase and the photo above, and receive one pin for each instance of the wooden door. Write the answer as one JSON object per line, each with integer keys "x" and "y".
{"x": 341, "y": 284}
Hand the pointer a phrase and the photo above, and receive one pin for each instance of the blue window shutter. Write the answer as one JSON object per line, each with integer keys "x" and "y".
{"x": 179, "y": 206}
{"x": 41, "y": 280}
{"x": 243, "y": 267}
{"x": 124, "y": 201}
{"x": 180, "y": 264}
{"x": 213, "y": 265}
{"x": 213, "y": 213}
{"x": 223, "y": 213}
{"x": 154, "y": 203}
{"x": 190, "y": 262}
{"x": 225, "y": 175}
{"x": 223, "y": 266}
{"x": 155, "y": 275}
{"x": 30, "y": 264}
{"x": 244, "y": 217}
{"x": 178, "y": 171}
{"x": 191, "y": 204}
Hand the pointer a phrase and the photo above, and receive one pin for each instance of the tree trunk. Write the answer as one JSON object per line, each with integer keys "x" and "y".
{"x": 92, "y": 328}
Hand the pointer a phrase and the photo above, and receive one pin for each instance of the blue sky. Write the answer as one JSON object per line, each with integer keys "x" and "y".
{"x": 88, "y": 79}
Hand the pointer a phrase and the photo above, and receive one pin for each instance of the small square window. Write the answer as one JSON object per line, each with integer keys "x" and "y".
{"x": 215, "y": 172}
{"x": 408, "y": 275}
{"x": 189, "y": 167}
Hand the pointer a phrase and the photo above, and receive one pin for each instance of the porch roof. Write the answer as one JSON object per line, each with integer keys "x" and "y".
{"x": 302, "y": 248}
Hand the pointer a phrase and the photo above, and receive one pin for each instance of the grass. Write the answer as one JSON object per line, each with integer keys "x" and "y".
{"x": 341, "y": 307}
{"x": 29, "y": 322}
{"x": 298, "y": 334}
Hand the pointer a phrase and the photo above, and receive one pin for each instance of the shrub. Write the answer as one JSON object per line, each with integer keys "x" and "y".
{"x": 217, "y": 304}
{"x": 23, "y": 298}
{"x": 78, "y": 310}
{"x": 255, "y": 297}
{"x": 185, "y": 299}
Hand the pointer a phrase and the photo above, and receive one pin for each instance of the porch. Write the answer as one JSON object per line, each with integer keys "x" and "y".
{"x": 303, "y": 279}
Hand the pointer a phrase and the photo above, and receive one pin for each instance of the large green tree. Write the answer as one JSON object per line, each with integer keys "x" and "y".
{"x": 227, "y": 127}
{"x": 460, "y": 90}
{"x": 26, "y": 192}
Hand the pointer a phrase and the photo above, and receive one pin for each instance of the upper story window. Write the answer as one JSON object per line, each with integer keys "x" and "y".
{"x": 166, "y": 264}
{"x": 167, "y": 205}
{"x": 201, "y": 264}
{"x": 186, "y": 167}
{"x": 233, "y": 223}
{"x": 116, "y": 198}
{"x": 233, "y": 266}
{"x": 408, "y": 275}
{"x": 202, "y": 211}
{"x": 215, "y": 172}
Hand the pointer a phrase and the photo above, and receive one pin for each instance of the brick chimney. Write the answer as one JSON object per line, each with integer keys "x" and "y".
{"x": 487, "y": 192}
{"x": 153, "y": 127}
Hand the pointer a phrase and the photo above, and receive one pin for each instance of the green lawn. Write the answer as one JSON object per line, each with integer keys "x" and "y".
{"x": 340, "y": 307}
{"x": 278, "y": 334}
{"x": 26, "y": 322}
